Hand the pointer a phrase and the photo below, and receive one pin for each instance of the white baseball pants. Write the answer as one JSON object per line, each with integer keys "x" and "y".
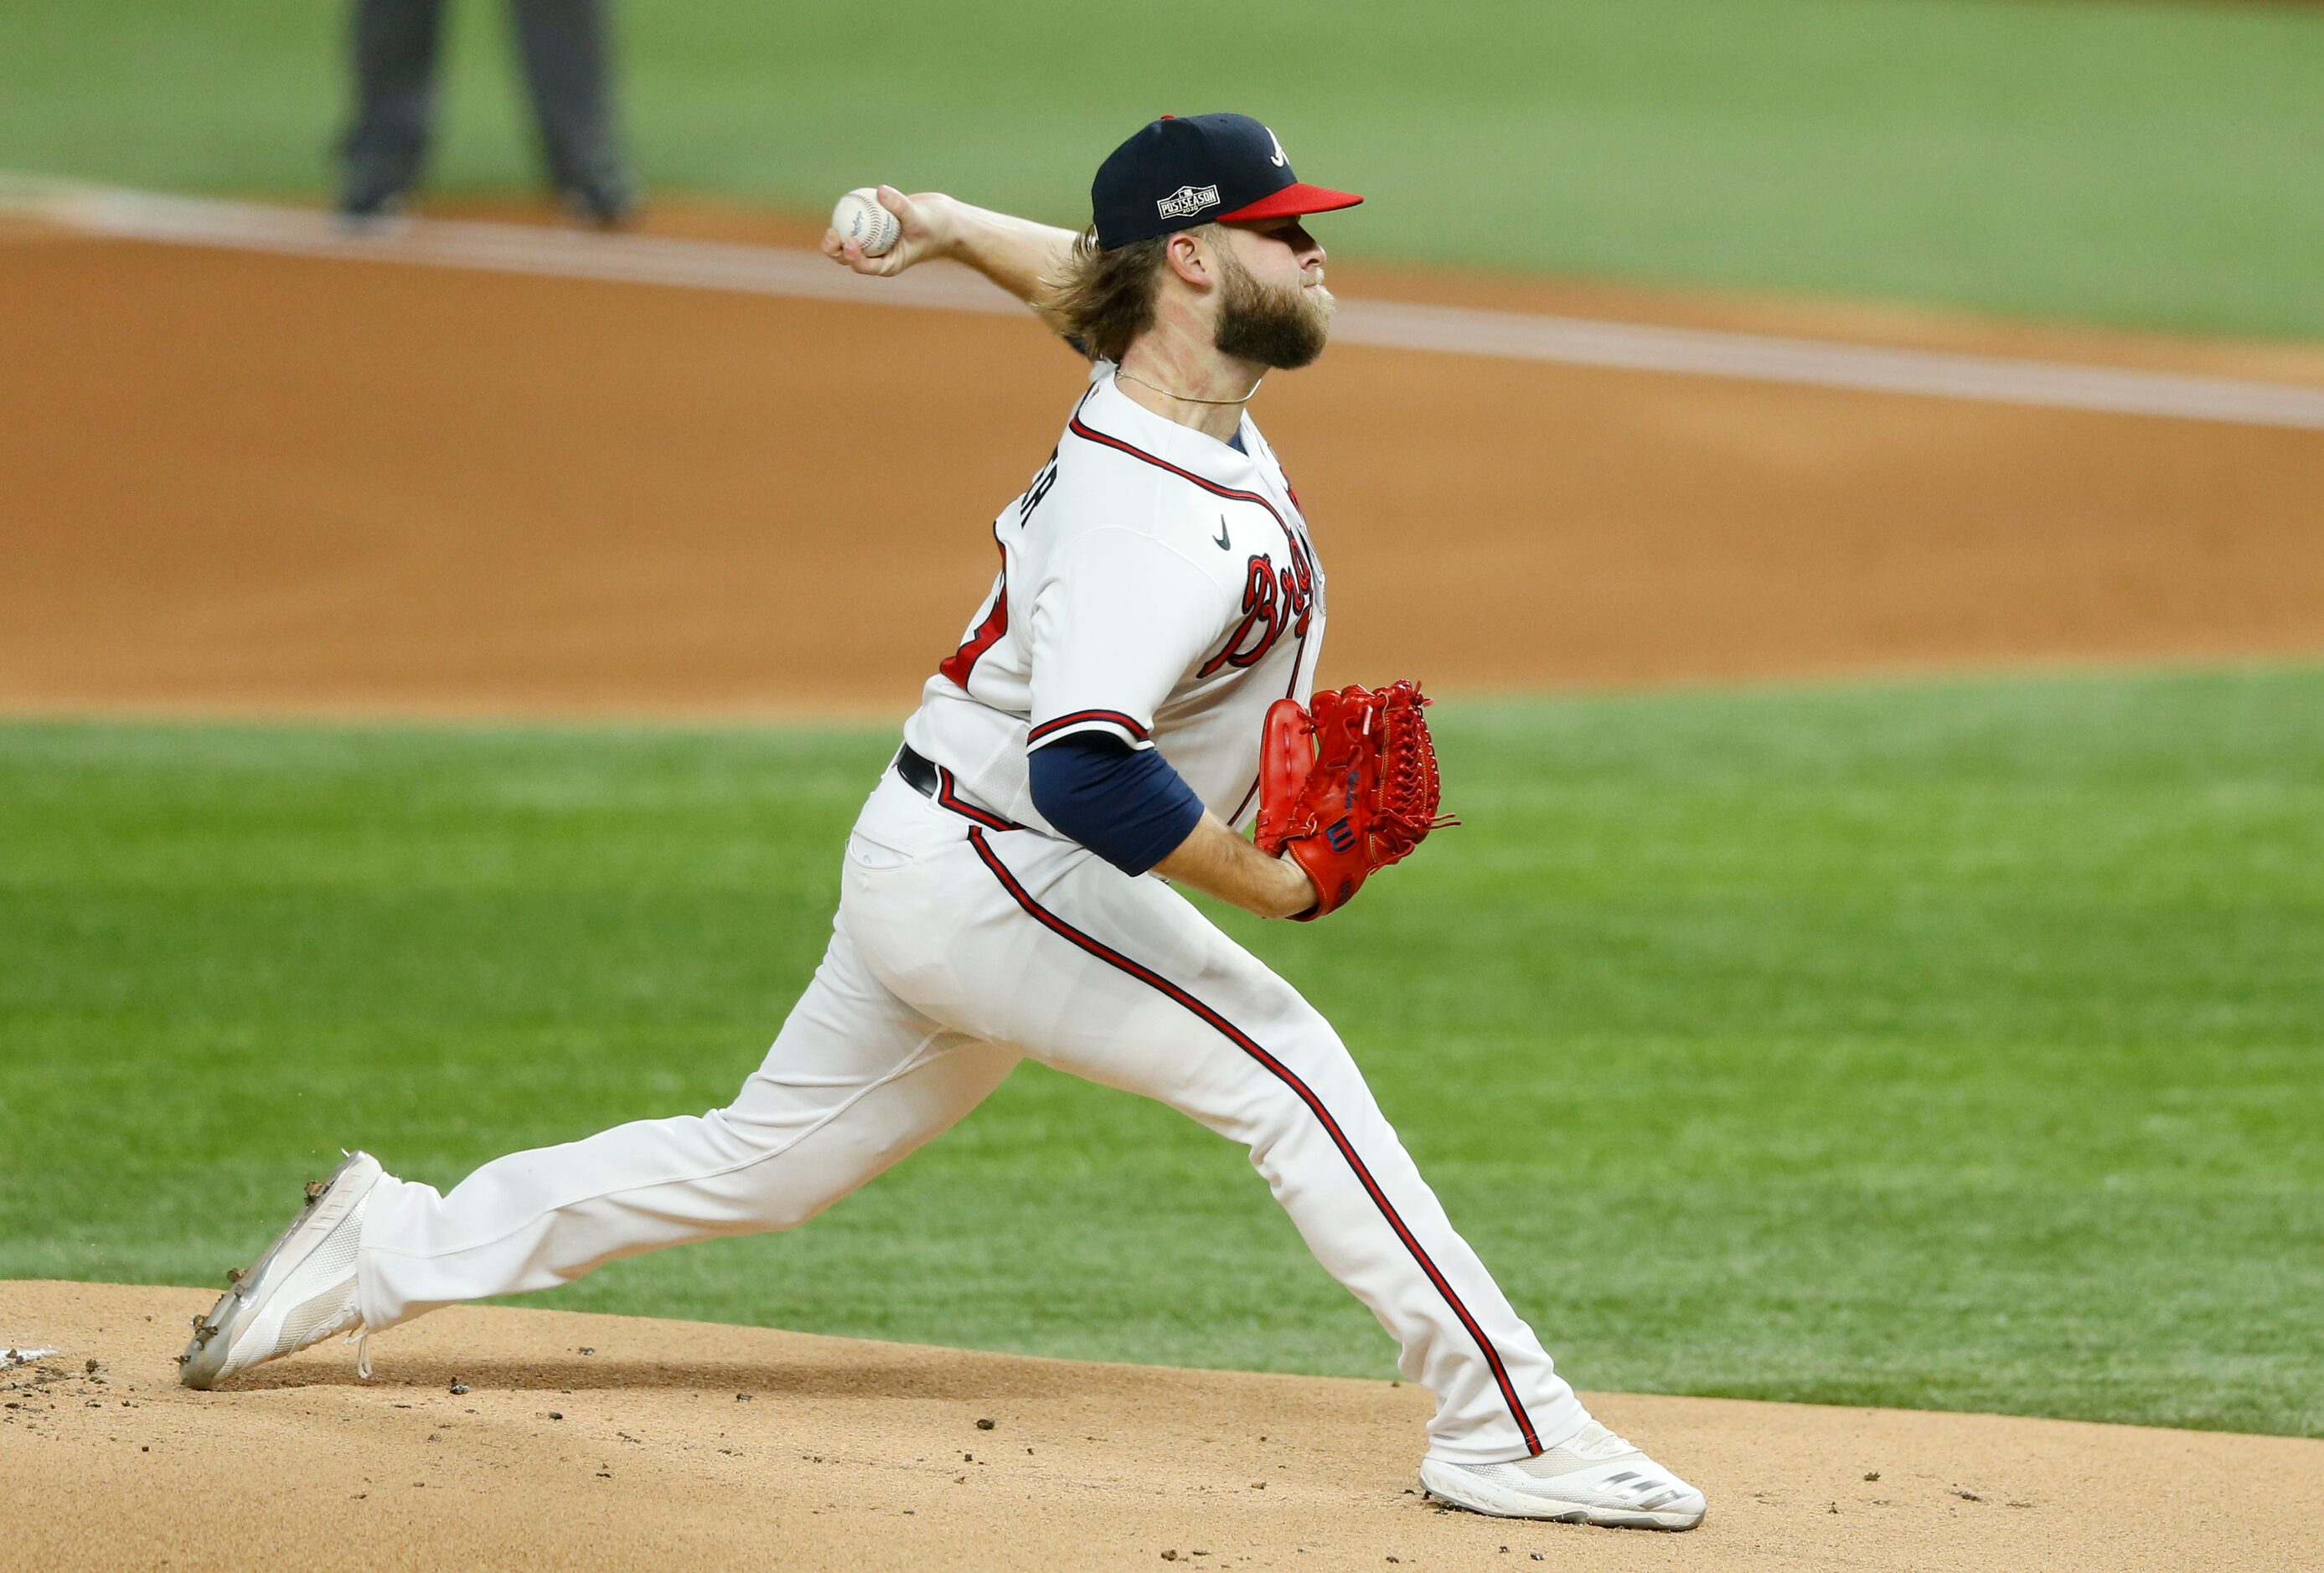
{"x": 960, "y": 947}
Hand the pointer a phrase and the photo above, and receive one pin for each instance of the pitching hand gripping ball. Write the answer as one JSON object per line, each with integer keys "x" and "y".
{"x": 859, "y": 217}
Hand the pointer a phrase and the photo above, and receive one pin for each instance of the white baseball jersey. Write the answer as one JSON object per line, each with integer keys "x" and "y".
{"x": 1156, "y": 584}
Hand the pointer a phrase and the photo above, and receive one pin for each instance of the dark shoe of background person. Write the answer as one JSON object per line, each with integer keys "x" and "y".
{"x": 369, "y": 204}
{"x": 600, "y": 204}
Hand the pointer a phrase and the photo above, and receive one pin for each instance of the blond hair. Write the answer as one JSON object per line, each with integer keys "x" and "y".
{"x": 1103, "y": 299}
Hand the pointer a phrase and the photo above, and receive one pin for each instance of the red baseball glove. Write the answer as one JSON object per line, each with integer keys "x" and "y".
{"x": 1348, "y": 786}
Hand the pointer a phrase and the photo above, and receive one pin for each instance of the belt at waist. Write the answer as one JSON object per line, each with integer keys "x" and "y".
{"x": 931, "y": 780}
{"x": 918, "y": 771}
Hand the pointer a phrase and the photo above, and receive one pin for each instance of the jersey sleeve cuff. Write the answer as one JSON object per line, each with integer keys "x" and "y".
{"x": 1113, "y": 722}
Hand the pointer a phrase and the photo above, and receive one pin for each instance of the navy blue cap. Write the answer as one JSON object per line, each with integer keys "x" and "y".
{"x": 1180, "y": 171}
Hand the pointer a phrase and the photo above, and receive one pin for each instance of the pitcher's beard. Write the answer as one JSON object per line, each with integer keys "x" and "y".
{"x": 1280, "y": 326}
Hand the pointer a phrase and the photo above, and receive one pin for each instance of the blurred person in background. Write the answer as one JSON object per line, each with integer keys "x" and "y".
{"x": 567, "y": 52}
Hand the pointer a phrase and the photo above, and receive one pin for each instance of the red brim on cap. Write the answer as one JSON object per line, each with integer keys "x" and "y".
{"x": 1293, "y": 201}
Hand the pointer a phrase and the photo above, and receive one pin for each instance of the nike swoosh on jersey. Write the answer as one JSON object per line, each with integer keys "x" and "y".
{"x": 1223, "y": 544}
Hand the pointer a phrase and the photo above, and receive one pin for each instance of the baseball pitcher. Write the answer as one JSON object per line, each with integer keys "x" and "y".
{"x": 1134, "y": 691}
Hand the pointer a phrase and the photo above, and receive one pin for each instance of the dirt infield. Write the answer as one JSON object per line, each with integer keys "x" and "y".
{"x": 242, "y": 481}
{"x": 622, "y": 1442}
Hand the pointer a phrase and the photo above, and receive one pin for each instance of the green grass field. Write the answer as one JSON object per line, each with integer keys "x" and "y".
{"x": 2144, "y": 164}
{"x": 1951, "y": 1045}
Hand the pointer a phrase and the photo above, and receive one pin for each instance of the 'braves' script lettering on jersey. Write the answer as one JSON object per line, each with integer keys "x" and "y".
{"x": 1273, "y": 599}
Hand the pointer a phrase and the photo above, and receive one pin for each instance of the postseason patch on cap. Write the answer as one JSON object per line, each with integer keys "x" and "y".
{"x": 1189, "y": 200}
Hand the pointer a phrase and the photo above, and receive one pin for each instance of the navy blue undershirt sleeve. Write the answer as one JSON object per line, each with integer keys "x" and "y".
{"x": 1126, "y": 805}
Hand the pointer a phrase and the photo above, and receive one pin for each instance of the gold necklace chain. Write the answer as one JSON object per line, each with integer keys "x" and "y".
{"x": 1188, "y": 397}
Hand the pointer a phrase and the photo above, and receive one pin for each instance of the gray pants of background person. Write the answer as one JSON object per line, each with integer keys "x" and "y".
{"x": 565, "y": 51}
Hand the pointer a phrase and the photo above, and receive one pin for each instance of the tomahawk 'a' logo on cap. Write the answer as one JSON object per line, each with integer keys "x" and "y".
{"x": 1189, "y": 200}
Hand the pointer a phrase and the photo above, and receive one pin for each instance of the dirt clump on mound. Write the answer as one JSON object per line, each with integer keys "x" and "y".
{"x": 514, "y": 1438}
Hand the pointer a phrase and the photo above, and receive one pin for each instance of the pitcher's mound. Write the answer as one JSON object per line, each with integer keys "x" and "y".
{"x": 522, "y": 1439}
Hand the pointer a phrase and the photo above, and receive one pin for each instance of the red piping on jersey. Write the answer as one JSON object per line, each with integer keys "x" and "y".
{"x": 1283, "y": 1073}
{"x": 1091, "y": 433}
{"x": 1111, "y": 717}
{"x": 957, "y": 666}
{"x": 1236, "y": 816}
{"x": 946, "y": 797}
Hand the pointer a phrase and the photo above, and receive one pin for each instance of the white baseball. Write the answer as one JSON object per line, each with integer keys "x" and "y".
{"x": 860, "y": 217}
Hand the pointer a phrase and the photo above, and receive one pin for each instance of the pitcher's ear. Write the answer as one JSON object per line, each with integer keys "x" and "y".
{"x": 1185, "y": 255}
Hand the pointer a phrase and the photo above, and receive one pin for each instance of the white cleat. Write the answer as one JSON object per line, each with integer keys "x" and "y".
{"x": 300, "y": 1293}
{"x": 1595, "y": 1479}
